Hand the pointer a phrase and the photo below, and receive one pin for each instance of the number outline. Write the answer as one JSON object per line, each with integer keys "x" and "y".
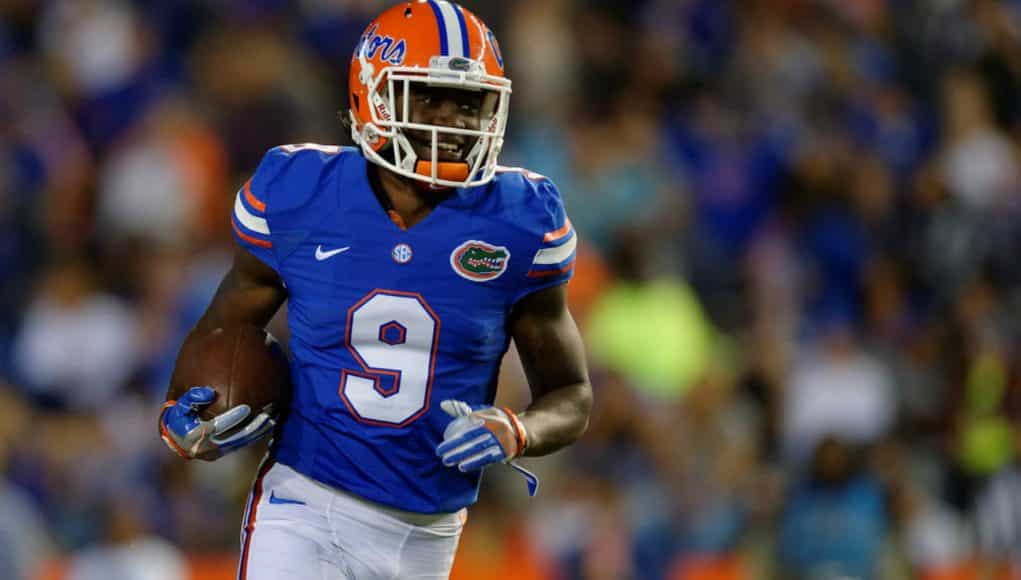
{"x": 373, "y": 373}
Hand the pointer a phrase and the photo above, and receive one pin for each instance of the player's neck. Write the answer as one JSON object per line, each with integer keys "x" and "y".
{"x": 405, "y": 198}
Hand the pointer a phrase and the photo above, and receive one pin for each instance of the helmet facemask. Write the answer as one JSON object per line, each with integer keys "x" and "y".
{"x": 389, "y": 138}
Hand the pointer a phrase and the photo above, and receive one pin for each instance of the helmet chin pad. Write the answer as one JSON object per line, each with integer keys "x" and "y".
{"x": 449, "y": 170}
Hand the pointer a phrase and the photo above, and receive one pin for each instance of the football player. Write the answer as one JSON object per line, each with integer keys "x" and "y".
{"x": 409, "y": 263}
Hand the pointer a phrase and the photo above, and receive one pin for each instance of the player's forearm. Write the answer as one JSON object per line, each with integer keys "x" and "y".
{"x": 557, "y": 419}
{"x": 243, "y": 297}
{"x": 250, "y": 293}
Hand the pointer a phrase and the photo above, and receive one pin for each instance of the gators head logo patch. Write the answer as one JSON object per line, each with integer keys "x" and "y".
{"x": 478, "y": 261}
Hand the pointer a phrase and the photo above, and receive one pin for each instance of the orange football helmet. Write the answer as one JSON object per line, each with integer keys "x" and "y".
{"x": 438, "y": 44}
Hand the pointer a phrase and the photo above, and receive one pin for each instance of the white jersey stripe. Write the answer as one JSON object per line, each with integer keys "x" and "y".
{"x": 557, "y": 254}
{"x": 450, "y": 21}
{"x": 245, "y": 218}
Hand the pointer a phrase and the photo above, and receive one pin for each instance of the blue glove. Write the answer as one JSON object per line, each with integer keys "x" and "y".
{"x": 471, "y": 443}
{"x": 184, "y": 431}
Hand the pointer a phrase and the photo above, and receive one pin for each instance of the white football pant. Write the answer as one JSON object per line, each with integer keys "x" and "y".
{"x": 296, "y": 528}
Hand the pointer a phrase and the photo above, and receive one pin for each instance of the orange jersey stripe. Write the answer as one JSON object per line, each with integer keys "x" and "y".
{"x": 250, "y": 524}
{"x": 557, "y": 234}
{"x": 251, "y": 198}
{"x": 248, "y": 238}
{"x": 544, "y": 273}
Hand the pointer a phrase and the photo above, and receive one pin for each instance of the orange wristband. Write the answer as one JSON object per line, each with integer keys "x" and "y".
{"x": 519, "y": 431}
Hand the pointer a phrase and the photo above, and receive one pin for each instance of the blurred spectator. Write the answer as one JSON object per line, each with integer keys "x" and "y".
{"x": 732, "y": 169}
{"x": 588, "y": 531}
{"x": 76, "y": 348}
{"x": 42, "y": 157}
{"x": 649, "y": 325}
{"x": 705, "y": 454}
{"x": 540, "y": 33}
{"x": 836, "y": 390}
{"x": 24, "y": 541}
{"x": 833, "y": 524}
{"x": 986, "y": 437}
{"x": 983, "y": 434}
{"x": 101, "y": 56}
{"x": 96, "y": 43}
{"x": 979, "y": 161}
{"x": 166, "y": 182}
{"x": 886, "y": 121}
{"x": 998, "y": 517}
{"x": 332, "y": 28}
{"x": 499, "y": 548}
{"x": 610, "y": 166}
{"x": 263, "y": 90}
{"x": 128, "y": 552}
{"x": 935, "y": 537}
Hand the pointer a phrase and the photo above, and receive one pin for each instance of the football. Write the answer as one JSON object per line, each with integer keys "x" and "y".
{"x": 243, "y": 364}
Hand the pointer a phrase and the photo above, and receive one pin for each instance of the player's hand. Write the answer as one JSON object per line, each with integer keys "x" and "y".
{"x": 483, "y": 436}
{"x": 184, "y": 431}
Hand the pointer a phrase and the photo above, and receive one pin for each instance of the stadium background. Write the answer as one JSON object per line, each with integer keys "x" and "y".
{"x": 800, "y": 285}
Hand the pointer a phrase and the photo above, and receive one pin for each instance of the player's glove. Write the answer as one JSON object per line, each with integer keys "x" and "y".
{"x": 184, "y": 431}
{"x": 483, "y": 436}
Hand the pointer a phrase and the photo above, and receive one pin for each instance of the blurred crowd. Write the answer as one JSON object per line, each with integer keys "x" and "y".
{"x": 800, "y": 284}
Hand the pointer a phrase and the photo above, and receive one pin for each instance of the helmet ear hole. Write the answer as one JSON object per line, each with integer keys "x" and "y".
{"x": 357, "y": 101}
{"x": 367, "y": 74}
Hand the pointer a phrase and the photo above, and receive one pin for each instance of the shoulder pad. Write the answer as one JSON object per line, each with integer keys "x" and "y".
{"x": 533, "y": 203}
{"x": 286, "y": 180}
{"x": 290, "y": 174}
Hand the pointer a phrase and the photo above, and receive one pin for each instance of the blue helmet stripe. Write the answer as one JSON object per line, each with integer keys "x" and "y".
{"x": 464, "y": 32}
{"x": 441, "y": 25}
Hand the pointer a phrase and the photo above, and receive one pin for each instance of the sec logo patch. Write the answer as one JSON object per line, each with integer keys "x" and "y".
{"x": 401, "y": 253}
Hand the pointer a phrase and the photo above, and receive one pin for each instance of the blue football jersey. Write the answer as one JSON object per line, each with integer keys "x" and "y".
{"x": 388, "y": 322}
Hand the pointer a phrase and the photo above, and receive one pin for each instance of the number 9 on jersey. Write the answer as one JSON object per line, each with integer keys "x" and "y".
{"x": 393, "y": 336}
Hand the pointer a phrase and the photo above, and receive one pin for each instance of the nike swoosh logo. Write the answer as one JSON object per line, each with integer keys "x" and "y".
{"x": 321, "y": 255}
{"x": 279, "y": 500}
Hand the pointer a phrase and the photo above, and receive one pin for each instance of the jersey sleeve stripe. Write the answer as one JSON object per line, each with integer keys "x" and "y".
{"x": 545, "y": 273}
{"x": 252, "y": 200}
{"x": 555, "y": 265}
{"x": 558, "y": 233}
{"x": 250, "y": 239}
{"x": 251, "y": 222}
{"x": 556, "y": 254}
{"x": 248, "y": 204}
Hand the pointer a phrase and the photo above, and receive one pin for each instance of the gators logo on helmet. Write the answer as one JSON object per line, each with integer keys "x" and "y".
{"x": 438, "y": 44}
{"x": 479, "y": 261}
